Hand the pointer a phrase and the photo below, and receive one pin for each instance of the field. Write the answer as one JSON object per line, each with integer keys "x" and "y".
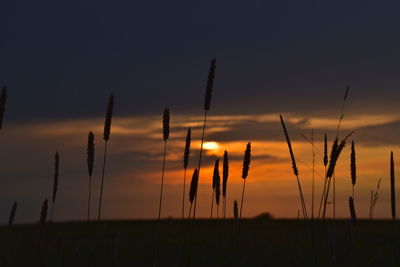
{"x": 253, "y": 242}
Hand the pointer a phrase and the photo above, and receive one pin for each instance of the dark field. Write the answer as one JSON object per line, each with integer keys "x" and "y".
{"x": 216, "y": 243}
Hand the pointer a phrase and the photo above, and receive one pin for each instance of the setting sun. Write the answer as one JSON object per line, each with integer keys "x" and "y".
{"x": 210, "y": 145}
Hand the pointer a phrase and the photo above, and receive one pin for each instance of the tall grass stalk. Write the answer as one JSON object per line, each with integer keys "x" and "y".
{"x": 165, "y": 138}
{"x": 106, "y": 137}
{"x": 245, "y": 172}
{"x": 185, "y": 165}
{"x": 225, "y": 175}
{"x": 90, "y": 163}
{"x": 337, "y": 136}
{"x": 207, "y": 102}
{"x": 335, "y": 153}
{"x": 55, "y": 183}
{"x": 295, "y": 170}
{"x": 325, "y": 161}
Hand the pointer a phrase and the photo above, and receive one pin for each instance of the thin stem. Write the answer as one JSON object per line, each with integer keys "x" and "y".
{"x": 326, "y": 197}
{"x": 323, "y": 195}
{"x": 102, "y": 179}
{"x": 199, "y": 167}
{"x": 303, "y": 205}
{"x": 241, "y": 203}
{"x": 162, "y": 180}
{"x": 90, "y": 189}
{"x": 183, "y": 197}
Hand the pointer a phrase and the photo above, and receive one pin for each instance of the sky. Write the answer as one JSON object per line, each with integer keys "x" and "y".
{"x": 61, "y": 60}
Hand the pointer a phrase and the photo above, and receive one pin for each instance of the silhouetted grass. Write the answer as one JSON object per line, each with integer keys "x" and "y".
{"x": 106, "y": 137}
{"x": 265, "y": 243}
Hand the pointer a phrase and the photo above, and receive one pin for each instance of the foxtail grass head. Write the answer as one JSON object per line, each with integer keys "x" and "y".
{"x": 166, "y": 124}
{"x": 216, "y": 177}
{"x": 225, "y": 173}
{"x": 109, "y": 114}
{"x": 353, "y": 164}
{"x": 56, "y": 169}
{"x": 335, "y": 153}
{"x": 246, "y": 161}
{"x": 193, "y": 185}
{"x": 187, "y": 149}
{"x": 210, "y": 84}
{"x": 294, "y": 166}
{"x": 325, "y": 150}
{"x": 90, "y": 153}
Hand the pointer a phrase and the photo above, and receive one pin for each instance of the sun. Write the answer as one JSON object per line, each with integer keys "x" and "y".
{"x": 210, "y": 145}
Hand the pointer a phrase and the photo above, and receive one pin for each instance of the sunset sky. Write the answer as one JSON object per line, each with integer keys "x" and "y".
{"x": 61, "y": 60}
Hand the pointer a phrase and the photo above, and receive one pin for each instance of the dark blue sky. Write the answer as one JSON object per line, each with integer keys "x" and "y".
{"x": 63, "y": 58}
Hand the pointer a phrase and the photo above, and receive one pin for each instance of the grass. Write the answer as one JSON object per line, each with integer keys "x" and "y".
{"x": 263, "y": 243}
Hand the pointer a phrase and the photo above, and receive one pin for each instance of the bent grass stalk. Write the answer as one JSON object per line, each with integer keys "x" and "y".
{"x": 207, "y": 102}
{"x": 245, "y": 172}
{"x": 185, "y": 165}
{"x": 295, "y": 170}
{"x": 55, "y": 183}
{"x": 106, "y": 137}
{"x": 90, "y": 163}
{"x": 325, "y": 161}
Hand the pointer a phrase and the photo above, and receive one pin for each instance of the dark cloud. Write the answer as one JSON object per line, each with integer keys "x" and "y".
{"x": 63, "y": 59}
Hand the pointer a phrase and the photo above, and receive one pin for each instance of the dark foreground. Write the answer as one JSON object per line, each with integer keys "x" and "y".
{"x": 216, "y": 243}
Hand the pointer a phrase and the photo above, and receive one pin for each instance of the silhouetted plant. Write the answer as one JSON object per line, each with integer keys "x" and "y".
{"x": 43, "y": 213}
{"x": 215, "y": 184}
{"x": 90, "y": 164}
{"x": 185, "y": 165}
{"x": 337, "y": 137}
{"x": 335, "y": 153}
{"x": 55, "y": 184}
{"x": 374, "y": 199}
{"x": 165, "y": 137}
{"x": 325, "y": 161}
{"x": 3, "y": 99}
{"x": 207, "y": 102}
{"x": 193, "y": 189}
{"x": 245, "y": 172}
{"x": 295, "y": 171}
{"x": 106, "y": 137}
{"x": 225, "y": 174}
{"x": 12, "y": 214}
